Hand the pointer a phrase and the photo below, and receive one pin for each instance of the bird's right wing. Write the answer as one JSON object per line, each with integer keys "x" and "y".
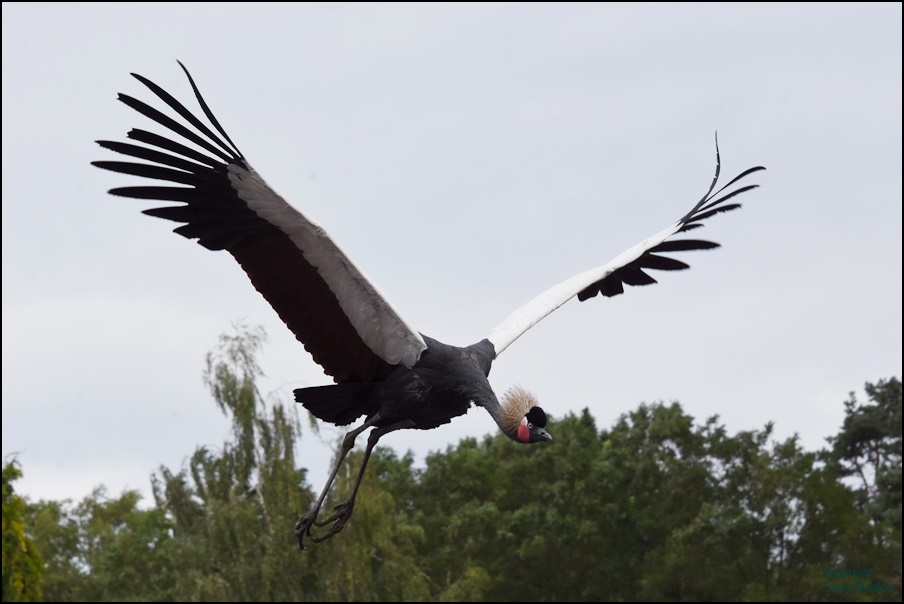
{"x": 342, "y": 319}
{"x": 628, "y": 267}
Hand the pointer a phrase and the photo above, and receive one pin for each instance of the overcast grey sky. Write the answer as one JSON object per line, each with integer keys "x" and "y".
{"x": 466, "y": 157}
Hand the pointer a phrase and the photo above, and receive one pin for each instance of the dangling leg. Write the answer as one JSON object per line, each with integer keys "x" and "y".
{"x": 304, "y": 524}
{"x": 344, "y": 510}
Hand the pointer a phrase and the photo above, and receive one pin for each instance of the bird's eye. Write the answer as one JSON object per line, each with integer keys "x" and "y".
{"x": 530, "y": 426}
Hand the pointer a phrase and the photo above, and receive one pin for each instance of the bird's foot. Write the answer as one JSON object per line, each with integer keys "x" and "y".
{"x": 304, "y": 524}
{"x": 342, "y": 515}
{"x": 309, "y": 520}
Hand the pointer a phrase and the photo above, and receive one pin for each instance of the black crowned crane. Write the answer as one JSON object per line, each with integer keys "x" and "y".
{"x": 384, "y": 369}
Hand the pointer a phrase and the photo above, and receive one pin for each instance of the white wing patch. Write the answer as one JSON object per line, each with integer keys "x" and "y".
{"x": 531, "y": 313}
{"x": 382, "y": 328}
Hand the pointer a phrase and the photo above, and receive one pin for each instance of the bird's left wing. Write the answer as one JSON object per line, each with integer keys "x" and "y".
{"x": 346, "y": 324}
{"x": 628, "y": 267}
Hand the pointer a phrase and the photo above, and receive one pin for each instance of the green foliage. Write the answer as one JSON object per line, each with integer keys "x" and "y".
{"x": 377, "y": 557}
{"x": 869, "y": 449}
{"x": 232, "y": 512}
{"x": 57, "y": 532}
{"x": 657, "y": 507}
{"x": 104, "y": 549}
{"x": 23, "y": 567}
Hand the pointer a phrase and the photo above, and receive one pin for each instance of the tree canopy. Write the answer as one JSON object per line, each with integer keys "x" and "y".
{"x": 658, "y": 506}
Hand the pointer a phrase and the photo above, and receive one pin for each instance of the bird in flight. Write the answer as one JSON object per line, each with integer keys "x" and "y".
{"x": 383, "y": 368}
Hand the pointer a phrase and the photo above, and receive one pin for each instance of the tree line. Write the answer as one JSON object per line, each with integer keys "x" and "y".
{"x": 656, "y": 507}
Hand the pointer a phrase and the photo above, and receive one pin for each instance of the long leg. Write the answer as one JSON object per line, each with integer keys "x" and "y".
{"x": 344, "y": 510}
{"x": 304, "y": 524}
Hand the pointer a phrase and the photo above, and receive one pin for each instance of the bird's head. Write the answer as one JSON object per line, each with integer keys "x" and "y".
{"x": 522, "y": 419}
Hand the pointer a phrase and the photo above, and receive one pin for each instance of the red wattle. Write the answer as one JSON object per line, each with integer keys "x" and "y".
{"x": 523, "y": 431}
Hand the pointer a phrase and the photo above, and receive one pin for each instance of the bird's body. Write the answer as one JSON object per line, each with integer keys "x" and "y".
{"x": 442, "y": 384}
{"x": 384, "y": 369}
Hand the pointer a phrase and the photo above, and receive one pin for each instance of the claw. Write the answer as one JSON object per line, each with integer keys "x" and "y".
{"x": 304, "y": 524}
{"x": 340, "y": 517}
{"x": 344, "y": 510}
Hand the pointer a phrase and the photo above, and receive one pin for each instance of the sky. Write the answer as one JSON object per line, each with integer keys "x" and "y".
{"x": 466, "y": 157}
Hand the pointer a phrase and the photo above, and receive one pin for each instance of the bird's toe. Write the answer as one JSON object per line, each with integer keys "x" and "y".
{"x": 303, "y": 526}
{"x": 341, "y": 516}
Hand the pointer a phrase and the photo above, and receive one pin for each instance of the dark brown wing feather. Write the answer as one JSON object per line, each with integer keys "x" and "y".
{"x": 213, "y": 213}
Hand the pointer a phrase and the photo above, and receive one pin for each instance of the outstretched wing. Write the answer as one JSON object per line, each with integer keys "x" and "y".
{"x": 346, "y": 324}
{"x": 628, "y": 268}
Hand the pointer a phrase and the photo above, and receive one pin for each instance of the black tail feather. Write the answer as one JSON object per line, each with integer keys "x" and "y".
{"x": 339, "y": 404}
